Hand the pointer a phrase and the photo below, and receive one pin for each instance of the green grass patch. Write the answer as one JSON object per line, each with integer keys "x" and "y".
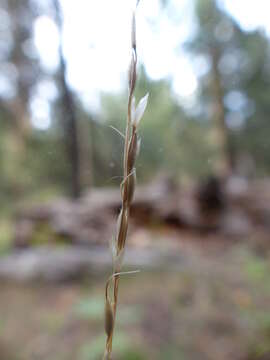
{"x": 123, "y": 346}
{"x": 6, "y": 235}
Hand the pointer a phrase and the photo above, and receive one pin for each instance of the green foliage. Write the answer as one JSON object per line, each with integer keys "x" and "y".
{"x": 123, "y": 347}
{"x": 172, "y": 141}
{"x": 43, "y": 234}
{"x": 260, "y": 347}
{"x": 258, "y": 269}
{"x": 45, "y": 160}
{"x": 6, "y": 235}
{"x": 132, "y": 355}
{"x": 243, "y": 65}
{"x": 172, "y": 352}
{"x": 91, "y": 308}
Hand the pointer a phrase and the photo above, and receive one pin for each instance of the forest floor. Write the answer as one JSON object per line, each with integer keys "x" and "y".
{"x": 215, "y": 308}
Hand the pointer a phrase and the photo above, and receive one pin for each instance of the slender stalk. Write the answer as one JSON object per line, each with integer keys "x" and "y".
{"x": 131, "y": 149}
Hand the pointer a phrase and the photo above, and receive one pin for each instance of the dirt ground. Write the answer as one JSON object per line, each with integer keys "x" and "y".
{"x": 216, "y": 308}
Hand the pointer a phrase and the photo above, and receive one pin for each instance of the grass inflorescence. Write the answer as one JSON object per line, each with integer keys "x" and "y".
{"x": 127, "y": 187}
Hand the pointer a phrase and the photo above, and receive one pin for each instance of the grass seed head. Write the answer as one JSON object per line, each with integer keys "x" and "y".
{"x": 127, "y": 187}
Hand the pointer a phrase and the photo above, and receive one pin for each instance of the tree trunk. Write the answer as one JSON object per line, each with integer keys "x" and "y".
{"x": 70, "y": 122}
{"x": 224, "y": 165}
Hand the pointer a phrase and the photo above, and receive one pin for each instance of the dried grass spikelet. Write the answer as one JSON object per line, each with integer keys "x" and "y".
{"x": 117, "y": 256}
{"x": 132, "y": 150}
{"x": 137, "y": 112}
{"x": 118, "y": 261}
{"x": 109, "y": 313}
{"x": 122, "y": 226}
{"x": 108, "y": 317}
{"x": 131, "y": 186}
{"x": 132, "y": 71}
{"x": 127, "y": 187}
{"x": 133, "y": 31}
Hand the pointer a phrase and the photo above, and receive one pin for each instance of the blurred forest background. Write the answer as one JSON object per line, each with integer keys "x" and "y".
{"x": 48, "y": 135}
{"x": 58, "y": 142}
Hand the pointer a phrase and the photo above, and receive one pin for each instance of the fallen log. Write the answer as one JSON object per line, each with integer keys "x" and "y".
{"x": 230, "y": 209}
{"x": 51, "y": 264}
